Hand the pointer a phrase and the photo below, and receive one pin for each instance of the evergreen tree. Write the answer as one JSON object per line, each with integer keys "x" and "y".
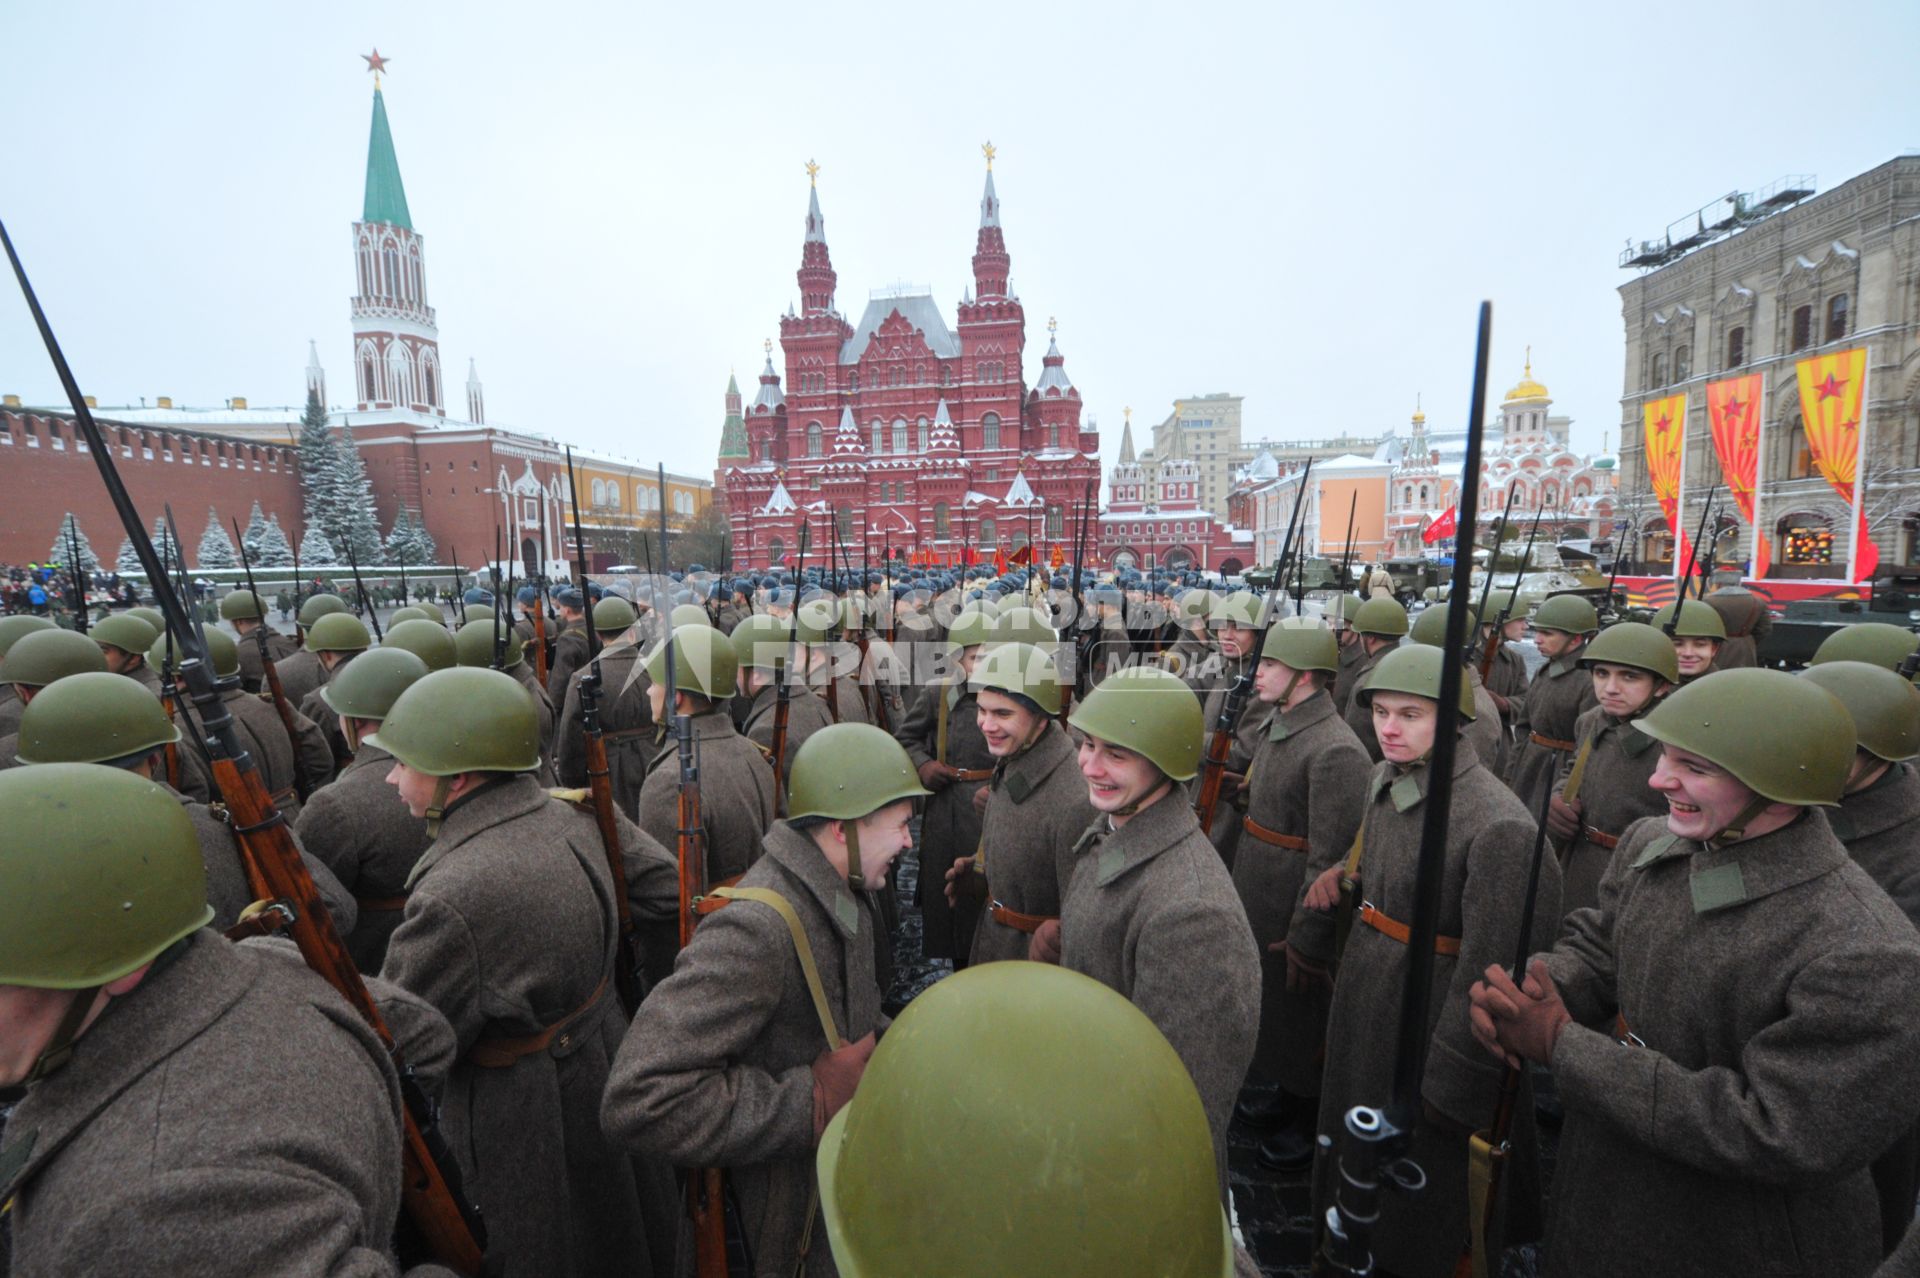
{"x": 255, "y": 530}
{"x": 126, "y": 562}
{"x": 425, "y": 551}
{"x": 63, "y": 547}
{"x": 316, "y": 469}
{"x": 216, "y": 548}
{"x": 409, "y": 542}
{"x": 163, "y": 546}
{"x": 315, "y": 549}
{"x": 274, "y": 552}
{"x": 352, "y": 503}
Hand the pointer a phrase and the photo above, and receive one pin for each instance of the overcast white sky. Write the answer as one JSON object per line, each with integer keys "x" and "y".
{"x": 1300, "y": 204}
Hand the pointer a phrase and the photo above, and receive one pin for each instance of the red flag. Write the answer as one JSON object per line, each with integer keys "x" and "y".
{"x": 1445, "y": 526}
{"x": 1000, "y": 562}
{"x": 1056, "y": 558}
{"x": 1022, "y": 556}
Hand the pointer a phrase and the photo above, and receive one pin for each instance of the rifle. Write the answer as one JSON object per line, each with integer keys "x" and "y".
{"x": 1693, "y": 557}
{"x": 1496, "y": 640}
{"x": 453, "y": 552}
{"x": 540, "y": 604}
{"x": 301, "y": 782}
{"x": 447, "y": 1222}
{"x": 1713, "y": 550}
{"x": 626, "y": 962}
{"x": 74, "y": 569}
{"x": 1373, "y": 1145}
{"x": 1346, "y": 560}
{"x": 499, "y": 634}
{"x": 406, "y": 598}
{"x": 783, "y": 691}
{"x": 299, "y": 636}
{"x": 1080, "y": 647}
{"x": 1213, "y": 769}
{"x": 1614, "y": 576}
{"x": 360, "y": 588}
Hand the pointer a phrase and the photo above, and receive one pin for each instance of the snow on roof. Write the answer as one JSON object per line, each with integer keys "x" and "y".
{"x": 918, "y": 309}
{"x": 1020, "y": 493}
{"x": 780, "y": 501}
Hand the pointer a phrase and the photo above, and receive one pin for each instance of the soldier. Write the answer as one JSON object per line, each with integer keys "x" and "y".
{"x": 570, "y": 645}
{"x": 1150, "y": 910}
{"x": 302, "y": 672}
{"x": 1875, "y": 820}
{"x": 739, "y": 1059}
{"x": 425, "y": 639}
{"x": 815, "y": 626}
{"x": 1236, "y": 627}
{"x": 627, "y": 723}
{"x": 1194, "y": 644}
{"x": 1560, "y": 693}
{"x": 38, "y": 658}
{"x": 1037, "y": 809}
{"x": 509, "y": 929}
{"x": 166, "y": 1137}
{"x": 475, "y": 645}
{"x": 261, "y": 728}
{"x": 241, "y": 610}
{"x": 11, "y": 628}
{"x": 124, "y": 641}
{"x": 941, "y": 733}
{"x": 1381, "y": 625}
{"x": 1877, "y": 643}
{"x": 1697, "y": 638}
{"x": 357, "y": 824}
{"x": 1506, "y": 678}
{"x": 1602, "y": 788}
{"x": 1003, "y": 1048}
{"x": 1488, "y": 858}
{"x": 1109, "y": 647}
{"x": 1747, "y": 621}
{"x": 335, "y": 639}
{"x": 1307, "y": 783}
{"x": 1353, "y": 652}
{"x": 1735, "y": 1028}
{"x": 1485, "y": 734}
{"x": 763, "y": 647}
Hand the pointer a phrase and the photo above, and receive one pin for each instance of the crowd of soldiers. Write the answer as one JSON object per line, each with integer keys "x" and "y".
{"x": 1167, "y": 837}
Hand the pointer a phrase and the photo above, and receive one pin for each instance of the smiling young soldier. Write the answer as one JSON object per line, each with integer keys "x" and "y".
{"x": 1487, "y": 860}
{"x": 1560, "y": 693}
{"x": 1696, "y": 639}
{"x": 1307, "y": 783}
{"x": 1381, "y": 624}
{"x": 730, "y": 1062}
{"x": 1735, "y": 1028}
{"x": 1236, "y": 630}
{"x": 1603, "y": 787}
{"x": 1037, "y": 808}
{"x": 1150, "y": 910}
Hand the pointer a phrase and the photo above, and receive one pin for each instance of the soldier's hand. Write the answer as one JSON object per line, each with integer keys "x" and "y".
{"x": 1563, "y": 818}
{"x": 1324, "y": 892}
{"x": 980, "y": 797}
{"x": 1525, "y": 1020}
{"x": 936, "y": 775}
{"x": 1302, "y": 973}
{"x": 1044, "y": 946}
{"x": 835, "y": 1076}
{"x": 961, "y": 868}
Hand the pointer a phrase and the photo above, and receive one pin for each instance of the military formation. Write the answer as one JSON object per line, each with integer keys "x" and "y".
{"x": 618, "y": 866}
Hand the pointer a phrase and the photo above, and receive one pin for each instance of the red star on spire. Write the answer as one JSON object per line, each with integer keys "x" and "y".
{"x": 375, "y": 63}
{"x": 1831, "y": 387}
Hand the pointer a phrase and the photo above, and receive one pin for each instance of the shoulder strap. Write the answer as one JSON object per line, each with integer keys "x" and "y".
{"x": 1571, "y": 790}
{"x": 784, "y": 908}
{"x": 1352, "y": 868}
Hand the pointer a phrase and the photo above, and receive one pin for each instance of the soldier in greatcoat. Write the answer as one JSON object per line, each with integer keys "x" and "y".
{"x": 1507, "y": 677}
{"x": 1488, "y": 858}
{"x": 510, "y": 930}
{"x": 239, "y": 609}
{"x": 1698, "y": 637}
{"x": 941, "y": 733}
{"x": 483, "y": 640}
{"x": 1380, "y": 624}
{"x": 357, "y": 824}
{"x": 1734, "y": 1029}
{"x": 336, "y": 640}
{"x": 818, "y": 625}
{"x": 628, "y": 727}
{"x": 1193, "y": 646}
{"x": 1602, "y": 787}
{"x": 1236, "y": 626}
{"x": 301, "y": 672}
{"x": 1560, "y": 693}
{"x": 262, "y": 731}
{"x": 1338, "y": 612}
{"x": 38, "y": 659}
{"x": 1307, "y": 783}
{"x": 1746, "y": 619}
{"x": 1485, "y": 734}
{"x": 570, "y": 645}
{"x": 1150, "y": 910}
{"x": 741, "y": 1057}
{"x": 189, "y": 1106}
{"x": 767, "y": 657}
{"x": 124, "y": 640}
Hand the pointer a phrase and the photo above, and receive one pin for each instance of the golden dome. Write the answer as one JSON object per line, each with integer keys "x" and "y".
{"x": 1526, "y": 389}
{"x": 1418, "y": 416}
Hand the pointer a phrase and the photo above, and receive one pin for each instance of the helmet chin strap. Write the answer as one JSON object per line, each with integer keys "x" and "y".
{"x": 1737, "y": 829}
{"x": 855, "y": 879}
{"x": 59, "y": 1048}
{"x": 1164, "y": 784}
{"x": 437, "y": 805}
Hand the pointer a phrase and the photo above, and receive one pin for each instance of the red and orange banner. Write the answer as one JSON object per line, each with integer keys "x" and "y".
{"x": 1733, "y": 411}
{"x": 1666, "y": 427}
{"x": 1832, "y": 403}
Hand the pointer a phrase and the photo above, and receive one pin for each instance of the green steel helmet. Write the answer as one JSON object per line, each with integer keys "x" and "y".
{"x": 427, "y": 640}
{"x": 102, "y": 872}
{"x": 462, "y": 720}
{"x": 1242, "y": 609}
{"x": 762, "y": 642}
{"x": 127, "y": 633}
{"x": 476, "y": 612}
{"x": 240, "y": 605}
{"x": 11, "y": 628}
{"x": 1502, "y": 601}
{"x": 367, "y": 686}
{"x": 1415, "y": 670}
{"x": 1302, "y": 643}
{"x": 318, "y": 606}
{"x": 1735, "y": 718}
{"x": 851, "y": 770}
{"x": 220, "y": 647}
{"x": 1023, "y": 670}
{"x": 1384, "y": 618}
{"x": 905, "y": 1184}
{"x": 93, "y": 718}
{"x": 1885, "y": 708}
{"x": 1430, "y": 627}
{"x": 1137, "y": 710}
{"x": 1697, "y": 621}
{"x": 1875, "y": 642}
{"x": 1022, "y": 624}
{"x": 814, "y": 620}
{"x": 338, "y": 632}
{"x": 1340, "y": 609}
{"x": 473, "y": 643}
{"x": 1636, "y": 644}
{"x": 971, "y": 628}
{"x": 1568, "y": 613}
{"x": 689, "y": 614}
{"x": 38, "y": 658}
{"x": 1194, "y": 606}
{"x": 613, "y": 615}
{"x": 703, "y": 661}
{"x": 152, "y": 616}
{"x": 413, "y": 612}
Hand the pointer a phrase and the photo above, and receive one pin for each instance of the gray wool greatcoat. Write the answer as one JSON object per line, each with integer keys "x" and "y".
{"x": 1508, "y": 678}
{"x": 509, "y": 929}
{"x": 1748, "y": 620}
{"x": 1151, "y": 913}
{"x": 1036, "y": 812}
{"x": 1187, "y": 658}
{"x": 1357, "y": 713}
{"x": 1776, "y": 990}
{"x": 264, "y": 737}
{"x": 626, "y": 728}
{"x": 1488, "y": 859}
{"x": 359, "y": 826}
{"x": 1613, "y": 795}
{"x": 949, "y": 823}
{"x": 1308, "y": 781}
{"x": 227, "y": 889}
{"x": 569, "y": 654}
{"x": 1560, "y": 693}
{"x": 806, "y": 715}
{"x": 522, "y": 672}
{"x": 1353, "y": 655}
{"x": 231, "y": 1115}
{"x": 314, "y": 707}
{"x": 716, "y": 1069}
{"x": 300, "y": 673}
{"x": 1248, "y": 733}
{"x": 1486, "y": 733}
{"x": 253, "y": 675}
{"x": 1878, "y": 825}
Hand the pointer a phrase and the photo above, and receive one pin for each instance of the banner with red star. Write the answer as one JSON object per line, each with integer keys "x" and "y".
{"x": 1832, "y": 406}
{"x": 1666, "y": 427}
{"x": 1733, "y": 411}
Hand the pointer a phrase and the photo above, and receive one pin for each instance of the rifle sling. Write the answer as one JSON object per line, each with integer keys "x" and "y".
{"x": 784, "y": 908}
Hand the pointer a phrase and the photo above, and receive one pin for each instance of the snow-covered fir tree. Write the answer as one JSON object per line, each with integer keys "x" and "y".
{"x": 62, "y": 552}
{"x": 163, "y": 545}
{"x": 126, "y": 561}
{"x": 316, "y": 462}
{"x": 256, "y": 529}
{"x": 409, "y": 543}
{"x": 352, "y": 504}
{"x": 315, "y": 549}
{"x": 274, "y": 552}
{"x": 216, "y": 548}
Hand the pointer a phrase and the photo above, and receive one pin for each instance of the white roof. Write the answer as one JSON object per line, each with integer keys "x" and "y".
{"x": 1020, "y": 493}
{"x": 780, "y": 501}
{"x": 918, "y": 309}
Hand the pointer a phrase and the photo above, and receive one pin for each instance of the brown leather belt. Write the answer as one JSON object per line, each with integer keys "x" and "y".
{"x": 1395, "y": 930}
{"x": 1552, "y": 743}
{"x": 709, "y": 903}
{"x": 499, "y": 1053}
{"x": 1014, "y": 919}
{"x": 973, "y": 774}
{"x": 283, "y": 796}
{"x": 1623, "y": 1034}
{"x": 1604, "y": 839}
{"x": 382, "y": 904}
{"x": 1274, "y": 837}
{"x": 623, "y": 734}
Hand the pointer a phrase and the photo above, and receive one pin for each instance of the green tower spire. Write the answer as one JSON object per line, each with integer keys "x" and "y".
{"x": 386, "y": 197}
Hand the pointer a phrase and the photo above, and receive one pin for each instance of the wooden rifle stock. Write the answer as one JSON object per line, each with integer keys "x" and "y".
{"x": 782, "y": 705}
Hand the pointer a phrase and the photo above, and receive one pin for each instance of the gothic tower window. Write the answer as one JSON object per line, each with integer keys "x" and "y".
{"x": 987, "y": 533}
{"x": 879, "y": 432}
{"x": 942, "y": 520}
{"x": 990, "y": 431}
{"x": 924, "y": 434}
{"x": 813, "y": 439}
{"x": 900, "y": 435}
